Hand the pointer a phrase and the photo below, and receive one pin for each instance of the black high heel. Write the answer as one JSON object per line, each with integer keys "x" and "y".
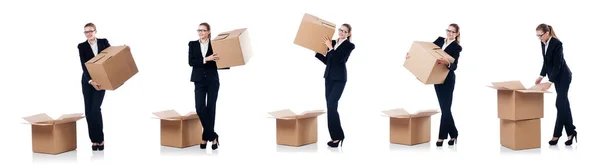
{"x": 553, "y": 142}
{"x": 215, "y": 146}
{"x": 94, "y": 148}
{"x": 203, "y": 146}
{"x": 439, "y": 143}
{"x": 570, "y": 141}
{"x": 101, "y": 147}
{"x": 334, "y": 145}
{"x": 452, "y": 142}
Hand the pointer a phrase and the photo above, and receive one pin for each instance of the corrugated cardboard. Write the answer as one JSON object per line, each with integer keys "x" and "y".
{"x": 311, "y": 32}
{"x": 179, "y": 131}
{"x": 296, "y": 129}
{"x": 515, "y": 102}
{"x": 51, "y": 136}
{"x": 410, "y": 128}
{"x": 519, "y": 135}
{"x": 112, "y": 67}
{"x": 422, "y": 62}
{"x": 233, "y": 48}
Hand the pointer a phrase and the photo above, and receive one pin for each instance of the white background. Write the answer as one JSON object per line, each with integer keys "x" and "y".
{"x": 41, "y": 74}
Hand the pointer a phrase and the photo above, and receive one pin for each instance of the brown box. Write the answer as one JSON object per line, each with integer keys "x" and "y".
{"x": 410, "y": 128}
{"x": 112, "y": 67}
{"x": 179, "y": 131}
{"x": 311, "y": 32}
{"x": 519, "y": 135}
{"x": 51, "y": 136}
{"x": 233, "y": 48}
{"x": 422, "y": 62}
{"x": 296, "y": 129}
{"x": 515, "y": 102}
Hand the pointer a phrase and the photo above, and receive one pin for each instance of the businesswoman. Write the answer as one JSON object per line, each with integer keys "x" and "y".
{"x": 335, "y": 79}
{"x": 206, "y": 82}
{"x": 445, "y": 91}
{"x": 92, "y": 94}
{"x": 555, "y": 67}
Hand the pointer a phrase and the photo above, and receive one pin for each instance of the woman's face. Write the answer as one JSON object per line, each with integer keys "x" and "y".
{"x": 451, "y": 32}
{"x": 90, "y": 33}
{"x": 543, "y": 36}
{"x": 343, "y": 32}
{"x": 203, "y": 32}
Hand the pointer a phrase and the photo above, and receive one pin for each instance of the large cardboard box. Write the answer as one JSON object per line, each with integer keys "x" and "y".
{"x": 233, "y": 48}
{"x": 311, "y": 32}
{"x": 51, "y": 136}
{"x": 520, "y": 135}
{"x": 112, "y": 67}
{"x": 296, "y": 129}
{"x": 422, "y": 62}
{"x": 179, "y": 131}
{"x": 410, "y": 128}
{"x": 515, "y": 102}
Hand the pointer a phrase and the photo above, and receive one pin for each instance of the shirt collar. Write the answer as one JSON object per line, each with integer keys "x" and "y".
{"x": 95, "y": 41}
{"x": 206, "y": 42}
{"x": 546, "y": 44}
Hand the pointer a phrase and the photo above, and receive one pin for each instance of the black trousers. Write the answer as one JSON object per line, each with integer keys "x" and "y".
{"x": 563, "y": 116}
{"x": 333, "y": 93}
{"x": 206, "y": 93}
{"x": 444, "y": 94}
{"x": 93, "y": 115}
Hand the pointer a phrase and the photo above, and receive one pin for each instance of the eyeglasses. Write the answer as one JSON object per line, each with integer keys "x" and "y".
{"x": 540, "y": 35}
{"x": 450, "y": 31}
{"x": 89, "y": 31}
{"x": 343, "y": 31}
{"x": 201, "y": 30}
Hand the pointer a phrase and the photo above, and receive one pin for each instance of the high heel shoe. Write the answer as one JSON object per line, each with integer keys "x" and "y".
{"x": 439, "y": 143}
{"x": 94, "y": 147}
{"x": 214, "y": 146}
{"x": 452, "y": 141}
{"x": 334, "y": 145}
{"x": 101, "y": 147}
{"x": 203, "y": 146}
{"x": 570, "y": 141}
{"x": 553, "y": 142}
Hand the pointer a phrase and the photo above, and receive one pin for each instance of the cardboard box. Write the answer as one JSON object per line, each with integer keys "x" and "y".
{"x": 410, "y": 128}
{"x": 179, "y": 131}
{"x": 51, "y": 136}
{"x": 422, "y": 62}
{"x": 311, "y": 32}
{"x": 112, "y": 67}
{"x": 233, "y": 48}
{"x": 515, "y": 102}
{"x": 519, "y": 135}
{"x": 296, "y": 129}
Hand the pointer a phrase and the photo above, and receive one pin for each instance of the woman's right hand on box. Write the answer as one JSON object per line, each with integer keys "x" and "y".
{"x": 95, "y": 85}
{"x": 407, "y": 55}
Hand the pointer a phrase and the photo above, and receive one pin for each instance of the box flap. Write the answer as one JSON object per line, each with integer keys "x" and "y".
{"x": 508, "y": 85}
{"x": 434, "y": 50}
{"x": 397, "y": 113}
{"x": 317, "y": 20}
{"x": 69, "y": 118}
{"x": 168, "y": 115}
{"x": 425, "y": 113}
{"x": 190, "y": 115}
{"x": 283, "y": 114}
{"x": 41, "y": 119}
{"x": 107, "y": 54}
{"x": 309, "y": 114}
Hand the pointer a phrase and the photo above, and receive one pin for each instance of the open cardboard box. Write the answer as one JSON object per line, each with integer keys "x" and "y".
{"x": 515, "y": 102}
{"x": 422, "y": 62}
{"x": 179, "y": 131}
{"x": 410, "y": 128}
{"x": 53, "y": 136}
{"x": 233, "y": 48}
{"x": 296, "y": 129}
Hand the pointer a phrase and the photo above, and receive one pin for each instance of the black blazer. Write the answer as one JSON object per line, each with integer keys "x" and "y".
{"x": 201, "y": 71}
{"x": 453, "y": 50}
{"x": 554, "y": 63}
{"x": 86, "y": 53}
{"x": 336, "y": 61}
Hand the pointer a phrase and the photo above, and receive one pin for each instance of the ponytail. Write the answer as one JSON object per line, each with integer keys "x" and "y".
{"x": 552, "y": 32}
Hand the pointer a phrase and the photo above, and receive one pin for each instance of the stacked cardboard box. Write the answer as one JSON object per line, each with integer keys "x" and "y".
{"x": 422, "y": 62}
{"x": 179, "y": 131}
{"x": 233, "y": 48}
{"x": 296, "y": 129}
{"x": 51, "y": 136}
{"x": 520, "y": 110}
{"x": 112, "y": 67}
{"x": 410, "y": 128}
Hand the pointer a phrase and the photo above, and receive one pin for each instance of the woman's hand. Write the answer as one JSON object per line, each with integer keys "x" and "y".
{"x": 95, "y": 85}
{"x": 212, "y": 57}
{"x": 327, "y": 42}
